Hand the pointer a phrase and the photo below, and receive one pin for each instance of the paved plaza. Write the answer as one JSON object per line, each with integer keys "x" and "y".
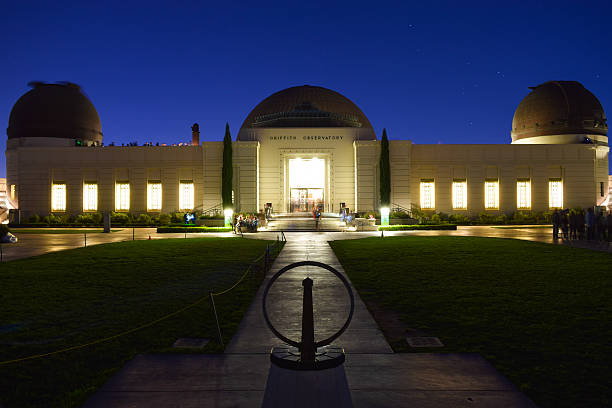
{"x": 36, "y": 244}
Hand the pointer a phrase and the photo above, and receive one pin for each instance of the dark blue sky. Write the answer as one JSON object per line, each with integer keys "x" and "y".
{"x": 440, "y": 72}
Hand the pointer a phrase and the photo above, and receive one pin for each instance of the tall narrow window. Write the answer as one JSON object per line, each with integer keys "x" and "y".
{"x": 122, "y": 196}
{"x": 154, "y": 196}
{"x": 12, "y": 191}
{"x": 492, "y": 194}
{"x": 428, "y": 194}
{"x": 58, "y": 196}
{"x": 523, "y": 194}
{"x": 90, "y": 196}
{"x": 186, "y": 198}
{"x": 460, "y": 194}
{"x": 555, "y": 193}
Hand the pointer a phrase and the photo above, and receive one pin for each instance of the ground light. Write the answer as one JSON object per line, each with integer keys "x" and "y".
{"x": 228, "y": 216}
{"x": 384, "y": 216}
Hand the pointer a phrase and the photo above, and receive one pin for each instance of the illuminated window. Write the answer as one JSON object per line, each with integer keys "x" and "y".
{"x": 58, "y": 197}
{"x": 523, "y": 194}
{"x": 428, "y": 194}
{"x": 186, "y": 195}
{"x": 154, "y": 196}
{"x": 459, "y": 194}
{"x": 555, "y": 193}
{"x": 90, "y": 197}
{"x": 122, "y": 196}
{"x": 492, "y": 194}
{"x": 12, "y": 191}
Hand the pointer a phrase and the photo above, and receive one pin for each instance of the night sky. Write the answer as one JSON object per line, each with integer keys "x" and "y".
{"x": 444, "y": 72}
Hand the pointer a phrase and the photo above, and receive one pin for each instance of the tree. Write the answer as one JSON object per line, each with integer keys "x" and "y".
{"x": 227, "y": 170}
{"x": 385, "y": 171}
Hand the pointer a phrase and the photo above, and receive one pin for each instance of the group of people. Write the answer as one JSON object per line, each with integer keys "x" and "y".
{"x": 245, "y": 223}
{"x": 578, "y": 224}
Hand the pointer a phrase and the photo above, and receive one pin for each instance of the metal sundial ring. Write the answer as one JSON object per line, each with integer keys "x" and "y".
{"x": 307, "y": 357}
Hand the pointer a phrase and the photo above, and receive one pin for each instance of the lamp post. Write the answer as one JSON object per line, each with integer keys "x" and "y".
{"x": 384, "y": 216}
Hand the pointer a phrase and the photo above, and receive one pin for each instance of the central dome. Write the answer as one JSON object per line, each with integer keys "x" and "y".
{"x": 307, "y": 107}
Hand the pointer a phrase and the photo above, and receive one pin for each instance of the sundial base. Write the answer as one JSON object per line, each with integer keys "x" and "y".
{"x": 288, "y": 357}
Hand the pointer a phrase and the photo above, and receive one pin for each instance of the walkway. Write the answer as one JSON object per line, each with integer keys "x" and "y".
{"x": 37, "y": 244}
{"x": 377, "y": 377}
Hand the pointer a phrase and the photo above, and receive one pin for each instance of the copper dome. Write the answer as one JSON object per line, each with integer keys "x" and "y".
{"x": 306, "y": 106}
{"x": 558, "y": 108}
{"x": 54, "y": 110}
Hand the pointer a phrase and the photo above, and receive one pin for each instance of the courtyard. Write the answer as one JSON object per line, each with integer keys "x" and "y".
{"x": 538, "y": 313}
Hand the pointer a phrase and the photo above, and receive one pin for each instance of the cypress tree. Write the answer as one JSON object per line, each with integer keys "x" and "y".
{"x": 385, "y": 171}
{"x": 227, "y": 170}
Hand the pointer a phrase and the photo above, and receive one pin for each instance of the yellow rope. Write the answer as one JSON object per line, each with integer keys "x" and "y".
{"x": 106, "y": 338}
{"x": 131, "y": 330}
{"x": 234, "y": 285}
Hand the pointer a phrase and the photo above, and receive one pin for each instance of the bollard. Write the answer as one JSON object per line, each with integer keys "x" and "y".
{"x": 382, "y": 233}
{"x": 85, "y": 239}
{"x": 133, "y": 233}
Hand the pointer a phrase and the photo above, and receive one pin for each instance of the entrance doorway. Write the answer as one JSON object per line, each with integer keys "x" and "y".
{"x": 304, "y": 199}
{"x": 306, "y": 184}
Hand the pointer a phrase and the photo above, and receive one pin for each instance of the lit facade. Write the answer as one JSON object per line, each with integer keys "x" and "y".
{"x": 304, "y": 146}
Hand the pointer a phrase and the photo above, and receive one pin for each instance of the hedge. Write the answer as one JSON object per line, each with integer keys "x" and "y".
{"x": 418, "y": 227}
{"x": 162, "y": 230}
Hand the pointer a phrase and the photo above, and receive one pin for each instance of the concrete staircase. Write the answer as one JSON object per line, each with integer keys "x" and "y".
{"x": 304, "y": 222}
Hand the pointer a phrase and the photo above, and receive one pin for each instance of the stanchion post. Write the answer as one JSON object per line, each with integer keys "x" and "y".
{"x": 85, "y": 234}
{"x": 133, "y": 228}
{"x": 214, "y": 310}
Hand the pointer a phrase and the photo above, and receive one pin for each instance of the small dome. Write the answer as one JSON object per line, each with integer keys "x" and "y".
{"x": 54, "y": 110}
{"x": 558, "y": 108}
{"x": 307, "y": 106}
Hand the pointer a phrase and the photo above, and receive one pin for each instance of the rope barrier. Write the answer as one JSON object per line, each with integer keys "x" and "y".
{"x": 35, "y": 356}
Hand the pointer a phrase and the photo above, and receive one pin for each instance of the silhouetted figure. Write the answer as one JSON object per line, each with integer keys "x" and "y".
{"x": 590, "y": 224}
{"x": 602, "y": 226}
{"x": 556, "y": 220}
{"x": 564, "y": 224}
{"x": 609, "y": 222}
{"x": 573, "y": 224}
{"x": 580, "y": 223}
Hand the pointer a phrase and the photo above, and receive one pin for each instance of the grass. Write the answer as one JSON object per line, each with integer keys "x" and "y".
{"x": 419, "y": 227}
{"x": 68, "y": 298}
{"x": 161, "y": 230}
{"x": 57, "y": 231}
{"x": 541, "y": 314}
{"x": 522, "y": 226}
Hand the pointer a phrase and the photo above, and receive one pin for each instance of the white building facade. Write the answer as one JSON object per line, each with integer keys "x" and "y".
{"x": 304, "y": 146}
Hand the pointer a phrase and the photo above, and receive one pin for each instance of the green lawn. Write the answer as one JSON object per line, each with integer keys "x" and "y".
{"x": 72, "y": 297}
{"x": 541, "y": 314}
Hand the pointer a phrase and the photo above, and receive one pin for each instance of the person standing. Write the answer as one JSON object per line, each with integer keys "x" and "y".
{"x": 609, "y": 222}
{"x": 590, "y": 223}
{"x": 564, "y": 224}
{"x": 555, "y": 223}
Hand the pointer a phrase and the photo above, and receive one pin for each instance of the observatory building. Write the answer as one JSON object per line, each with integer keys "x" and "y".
{"x": 306, "y": 145}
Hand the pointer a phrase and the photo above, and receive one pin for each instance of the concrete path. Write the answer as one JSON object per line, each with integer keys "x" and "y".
{"x": 376, "y": 376}
{"x": 330, "y": 299}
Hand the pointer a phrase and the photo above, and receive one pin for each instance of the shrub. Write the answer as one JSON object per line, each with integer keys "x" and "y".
{"x": 34, "y": 219}
{"x": 144, "y": 219}
{"x": 459, "y": 219}
{"x": 177, "y": 217}
{"x": 399, "y": 214}
{"x": 164, "y": 219}
{"x": 97, "y": 218}
{"x": 64, "y": 219}
{"x": 84, "y": 219}
{"x": 119, "y": 218}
